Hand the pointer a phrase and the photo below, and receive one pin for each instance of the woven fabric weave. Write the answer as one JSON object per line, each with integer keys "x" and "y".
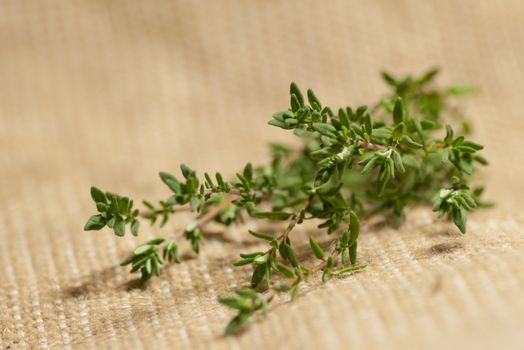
{"x": 108, "y": 93}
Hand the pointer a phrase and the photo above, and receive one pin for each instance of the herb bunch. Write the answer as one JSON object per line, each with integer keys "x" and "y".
{"x": 353, "y": 164}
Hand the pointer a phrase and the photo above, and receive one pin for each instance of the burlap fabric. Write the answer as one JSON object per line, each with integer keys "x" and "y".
{"x": 110, "y": 92}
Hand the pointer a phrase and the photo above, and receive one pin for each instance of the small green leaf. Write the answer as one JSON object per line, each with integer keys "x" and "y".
{"x": 186, "y": 171}
{"x": 295, "y": 103}
{"x": 408, "y": 141}
{"x": 170, "y": 181}
{"x": 95, "y": 223}
{"x": 135, "y": 225}
{"x": 261, "y": 235}
{"x": 330, "y": 262}
{"x": 313, "y": 100}
{"x": 142, "y": 249}
{"x": 290, "y": 254}
{"x": 398, "y": 132}
{"x": 261, "y": 259}
{"x": 294, "y": 90}
{"x": 398, "y": 111}
{"x": 258, "y": 274}
{"x": 317, "y": 250}
{"x": 369, "y": 165}
{"x": 398, "y": 162}
{"x": 243, "y": 262}
{"x": 449, "y": 135}
{"x": 389, "y": 79}
{"x": 343, "y": 118}
{"x": 97, "y": 195}
{"x": 248, "y": 171}
{"x": 119, "y": 228}
{"x": 367, "y": 123}
{"x": 353, "y": 253}
{"x": 325, "y": 276}
{"x": 459, "y": 218}
{"x": 234, "y": 303}
{"x": 354, "y": 224}
{"x": 326, "y": 129}
{"x": 283, "y": 269}
{"x": 220, "y": 180}
{"x": 383, "y": 180}
{"x": 156, "y": 241}
{"x": 238, "y": 321}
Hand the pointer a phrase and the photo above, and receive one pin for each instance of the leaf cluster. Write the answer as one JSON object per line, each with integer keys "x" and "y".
{"x": 361, "y": 161}
{"x": 114, "y": 211}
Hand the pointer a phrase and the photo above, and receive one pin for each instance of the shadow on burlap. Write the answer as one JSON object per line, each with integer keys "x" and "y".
{"x": 108, "y": 93}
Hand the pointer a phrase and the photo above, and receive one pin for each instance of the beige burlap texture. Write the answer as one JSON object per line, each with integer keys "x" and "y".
{"x": 110, "y": 92}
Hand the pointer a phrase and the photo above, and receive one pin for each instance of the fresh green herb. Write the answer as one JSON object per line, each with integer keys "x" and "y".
{"x": 359, "y": 162}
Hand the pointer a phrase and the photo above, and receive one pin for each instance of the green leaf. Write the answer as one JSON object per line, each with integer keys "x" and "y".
{"x": 330, "y": 262}
{"x": 261, "y": 259}
{"x": 383, "y": 180}
{"x": 135, "y": 225}
{"x": 142, "y": 249}
{"x": 220, "y": 180}
{"x": 261, "y": 235}
{"x": 234, "y": 303}
{"x": 123, "y": 205}
{"x": 367, "y": 123}
{"x": 258, "y": 274}
{"x": 295, "y": 104}
{"x": 398, "y": 111}
{"x": 294, "y": 90}
{"x": 343, "y": 118}
{"x": 317, "y": 250}
{"x": 243, "y": 262}
{"x": 95, "y": 223}
{"x": 353, "y": 253}
{"x": 408, "y": 141}
{"x": 101, "y": 207}
{"x": 459, "y": 218}
{"x": 354, "y": 225}
{"x": 283, "y": 269}
{"x": 472, "y": 145}
{"x": 279, "y": 124}
{"x": 326, "y": 129}
{"x": 156, "y": 241}
{"x": 449, "y": 135}
{"x": 398, "y": 162}
{"x": 119, "y": 228}
{"x": 389, "y": 79}
{"x": 313, "y": 100}
{"x": 429, "y": 76}
{"x": 97, "y": 195}
{"x": 170, "y": 181}
{"x": 238, "y": 321}
{"x": 186, "y": 171}
{"x": 369, "y": 165}
{"x": 290, "y": 254}
{"x": 248, "y": 172}
{"x": 398, "y": 132}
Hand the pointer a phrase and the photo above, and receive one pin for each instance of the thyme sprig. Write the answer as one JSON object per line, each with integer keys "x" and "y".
{"x": 353, "y": 164}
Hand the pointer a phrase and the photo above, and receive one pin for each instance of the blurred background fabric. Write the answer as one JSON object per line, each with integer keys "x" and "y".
{"x": 108, "y": 93}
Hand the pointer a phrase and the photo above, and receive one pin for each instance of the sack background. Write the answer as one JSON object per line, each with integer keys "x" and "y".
{"x": 111, "y": 92}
